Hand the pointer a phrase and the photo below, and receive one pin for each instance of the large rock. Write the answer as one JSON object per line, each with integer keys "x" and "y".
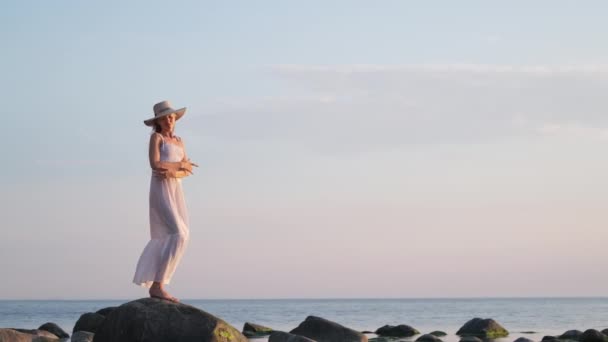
{"x": 428, "y": 338}
{"x": 323, "y": 330}
{"x": 106, "y": 311}
{"x": 280, "y": 336}
{"x": 438, "y": 333}
{"x": 592, "y": 335}
{"x": 401, "y": 330}
{"x": 255, "y": 330}
{"x": 571, "y": 335}
{"x": 156, "y": 320}
{"x": 485, "y": 328}
{"x": 89, "y": 321}
{"x": 12, "y": 335}
{"x": 470, "y": 338}
{"x": 82, "y": 336}
{"x": 523, "y": 339}
{"x": 37, "y": 332}
{"x": 54, "y": 329}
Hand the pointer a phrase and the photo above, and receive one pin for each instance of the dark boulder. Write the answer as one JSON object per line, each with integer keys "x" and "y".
{"x": 323, "y": 330}
{"x": 157, "y": 320}
{"x": 387, "y": 339}
{"x": 428, "y": 338}
{"x": 280, "y": 336}
{"x": 592, "y": 335}
{"x": 82, "y": 336}
{"x": 484, "y": 328}
{"x": 400, "y": 330}
{"x": 89, "y": 321}
{"x": 549, "y": 338}
{"x": 106, "y": 311}
{"x": 571, "y": 335}
{"x": 438, "y": 333}
{"x": 523, "y": 339}
{"x": 54, "y": 329}
{"x": 470, "y": 338}
{"x": 256, "y": 330}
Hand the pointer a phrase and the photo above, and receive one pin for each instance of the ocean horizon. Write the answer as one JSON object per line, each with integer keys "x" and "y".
{"x": 531, "y": 317}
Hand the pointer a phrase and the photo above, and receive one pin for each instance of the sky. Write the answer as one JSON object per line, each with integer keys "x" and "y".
{"x": 347, "y": 149}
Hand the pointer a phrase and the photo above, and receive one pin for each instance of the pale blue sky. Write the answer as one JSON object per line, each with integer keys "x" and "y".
{"x": 347, "y": 148}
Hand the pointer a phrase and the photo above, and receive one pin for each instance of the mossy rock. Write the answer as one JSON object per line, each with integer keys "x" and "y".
{"x": 256, "y": 330}
{"x": 401, "y": 330}
{"x": 389, "y": 339}
{"x": 484, "y": 328}
{"x": 157, "y": 320}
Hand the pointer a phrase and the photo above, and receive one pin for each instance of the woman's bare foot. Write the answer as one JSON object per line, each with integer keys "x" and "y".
{"x": 157, "y": 291}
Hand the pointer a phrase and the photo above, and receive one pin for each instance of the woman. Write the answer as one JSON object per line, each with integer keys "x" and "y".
{"x": 168, "y": 215}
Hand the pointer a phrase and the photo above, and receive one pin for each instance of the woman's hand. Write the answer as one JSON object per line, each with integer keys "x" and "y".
{"x": 186, "y": 166}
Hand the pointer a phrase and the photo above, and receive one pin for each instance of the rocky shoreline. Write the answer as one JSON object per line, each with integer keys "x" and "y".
{"x": 155, "y": 320}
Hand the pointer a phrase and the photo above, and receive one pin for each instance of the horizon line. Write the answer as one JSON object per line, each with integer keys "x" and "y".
{"x": 319, "y": 298}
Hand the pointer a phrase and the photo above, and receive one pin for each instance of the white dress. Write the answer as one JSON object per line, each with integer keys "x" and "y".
{"x": 168, "y": 224}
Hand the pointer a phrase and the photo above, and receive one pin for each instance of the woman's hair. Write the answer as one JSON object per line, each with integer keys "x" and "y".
{"x": 156, "y": 127}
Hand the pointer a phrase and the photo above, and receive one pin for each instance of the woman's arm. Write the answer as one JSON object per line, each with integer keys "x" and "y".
{"x": 167, "y": 169}
{"x": 154, "y": 156}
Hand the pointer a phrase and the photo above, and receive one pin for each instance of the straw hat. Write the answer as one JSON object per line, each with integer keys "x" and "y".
{"x": 163, "y": 109}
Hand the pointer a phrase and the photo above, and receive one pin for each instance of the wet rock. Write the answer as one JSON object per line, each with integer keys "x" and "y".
{"x": 389, "y": 339}
{"x": 592, "y": 335}
{"x": 523, "y": 339}
{"x": 571, "y": 335}
{"x": 106, "y": 311}
{"x": 484, "y": 328}
{"x": 428, "y": 338}
{"x": 89, "y": 321}
{"x": 54, "y": 329}
{"x": 438, "y": 333}
{"x": 280, "y": 336}
{"x": 549, "y": 338}
{"x": 82, "y": 336}
{"x": 256, "y": 330}
{"x": 157, "y": 320}
{"x": 323, "y": 330}
{"x": 401, "y": 330}
{"x": 470, "y": 339}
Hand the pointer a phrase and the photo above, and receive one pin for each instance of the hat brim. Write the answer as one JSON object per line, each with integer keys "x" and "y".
{"x": 179, "y": 113}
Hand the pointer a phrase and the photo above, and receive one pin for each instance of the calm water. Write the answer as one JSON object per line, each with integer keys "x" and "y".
{"x": 544, "y": 316}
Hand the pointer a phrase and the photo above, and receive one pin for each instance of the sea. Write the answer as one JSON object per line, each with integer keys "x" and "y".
{"x": 522, "y": 317}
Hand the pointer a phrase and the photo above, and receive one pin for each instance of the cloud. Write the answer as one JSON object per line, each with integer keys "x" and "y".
{"x": 355, "y": 107}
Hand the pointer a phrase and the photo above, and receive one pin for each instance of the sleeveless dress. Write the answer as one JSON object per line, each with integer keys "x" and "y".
{"x": 168, "y": 224}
